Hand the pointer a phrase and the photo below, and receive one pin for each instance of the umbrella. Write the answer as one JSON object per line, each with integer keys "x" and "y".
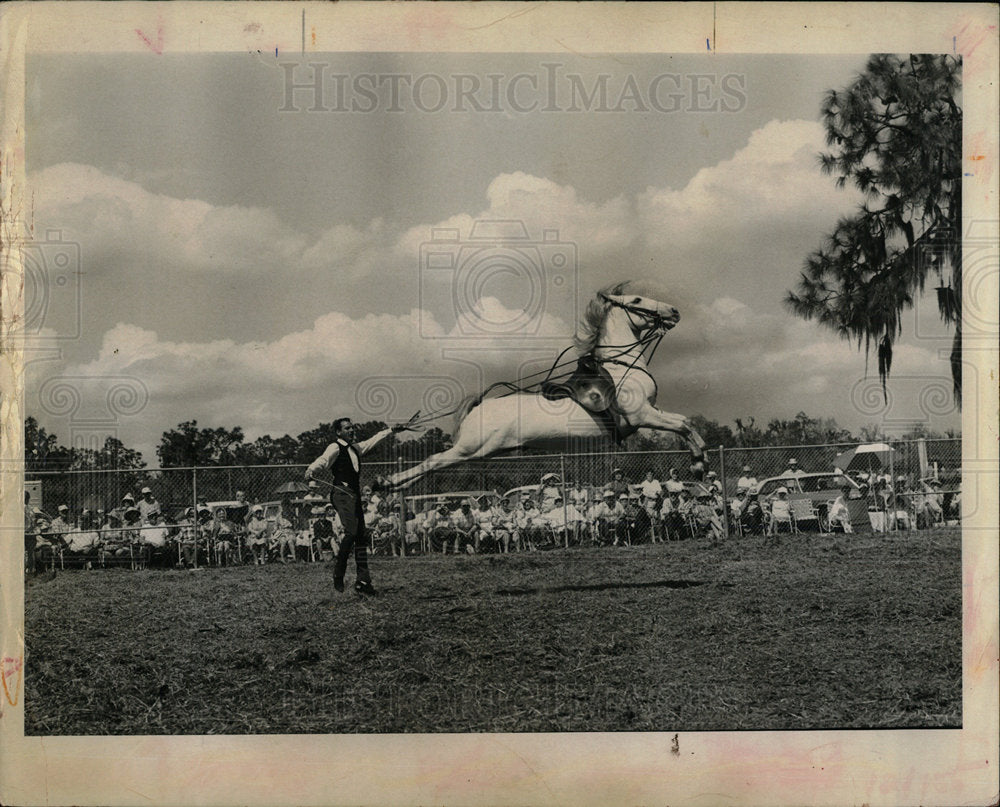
{"x": 292, "y": 487}
{"x": 865, "y": 455}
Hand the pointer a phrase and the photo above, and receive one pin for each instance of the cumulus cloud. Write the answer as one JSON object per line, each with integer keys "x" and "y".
{"x": 774, "y": 179}
{"x": 725, "y": 246}
{"x": 113, "y": 216}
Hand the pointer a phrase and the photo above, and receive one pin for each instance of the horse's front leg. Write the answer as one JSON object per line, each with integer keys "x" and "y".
{"x": 649, "y": 417}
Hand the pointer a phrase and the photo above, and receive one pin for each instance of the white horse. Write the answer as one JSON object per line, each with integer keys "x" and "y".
{"x": 617, "y": 327}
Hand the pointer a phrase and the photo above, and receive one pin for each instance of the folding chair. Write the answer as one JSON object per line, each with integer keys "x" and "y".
{"x": 803, "y": 510}
{"x": 775, "y": 520}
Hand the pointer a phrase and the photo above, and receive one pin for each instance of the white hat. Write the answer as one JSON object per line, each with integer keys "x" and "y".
{"x": 712, "y": 474}
{"x": 607, "y": 493}
{"x": 146, "y": 490}
{"x": 746, "y": 467}
{"x": 782, "y": 490}
{"x": 62, "y": 507}
{"x": 258, "y": 509}
{"x": 550, "y": 476}
{"x": 622, "y": 496}
{"x": 793, "y": 461}
{"x": 127, "y": 498}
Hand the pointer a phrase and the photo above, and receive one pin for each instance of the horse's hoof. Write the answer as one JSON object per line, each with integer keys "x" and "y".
{"x": 698, "y": 470}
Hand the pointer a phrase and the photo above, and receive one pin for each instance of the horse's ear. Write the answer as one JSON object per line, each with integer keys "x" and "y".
{"x": 620, "y": 288}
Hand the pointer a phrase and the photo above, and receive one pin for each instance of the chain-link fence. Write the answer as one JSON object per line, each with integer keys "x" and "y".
{"x": 883, "y": 477}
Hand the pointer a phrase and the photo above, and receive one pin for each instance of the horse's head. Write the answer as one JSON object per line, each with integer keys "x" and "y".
{"x": 644, "y": 313}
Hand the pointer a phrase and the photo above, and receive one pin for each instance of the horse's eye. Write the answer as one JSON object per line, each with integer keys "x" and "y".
{"x": 637, "y": 300}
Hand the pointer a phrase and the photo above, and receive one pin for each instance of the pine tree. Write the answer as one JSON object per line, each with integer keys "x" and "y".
{"x": 896, "y": 134}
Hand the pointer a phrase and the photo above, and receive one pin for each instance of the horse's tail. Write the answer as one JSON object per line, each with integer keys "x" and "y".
{"x": 466, "y": 405}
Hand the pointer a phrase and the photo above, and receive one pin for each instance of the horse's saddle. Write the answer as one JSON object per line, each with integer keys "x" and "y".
{"x": 591, "y": 386}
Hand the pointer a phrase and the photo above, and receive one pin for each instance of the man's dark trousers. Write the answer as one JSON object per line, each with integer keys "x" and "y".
{"x": 347, "y": 503}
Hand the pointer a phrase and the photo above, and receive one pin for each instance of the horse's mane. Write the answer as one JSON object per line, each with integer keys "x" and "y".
{"x": 589, "y": 330}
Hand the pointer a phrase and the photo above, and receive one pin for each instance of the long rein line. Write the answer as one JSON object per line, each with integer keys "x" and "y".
{"x": 512, "y": 388}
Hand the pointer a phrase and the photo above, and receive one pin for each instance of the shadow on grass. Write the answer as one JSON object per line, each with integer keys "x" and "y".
{"x": 521, "y": 591}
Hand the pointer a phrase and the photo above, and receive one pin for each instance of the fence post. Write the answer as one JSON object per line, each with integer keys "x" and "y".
{"x": 723, "y": 482}
{"x": 892, "y": 487}
{"x": 402, "y": 512}
{"x": 562, "y": 477}
{"x": 195, "y": 524}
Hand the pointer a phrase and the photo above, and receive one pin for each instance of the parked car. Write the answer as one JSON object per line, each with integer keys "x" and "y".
{"x": 453, "y": 498}
{"x": 819, "y": 489}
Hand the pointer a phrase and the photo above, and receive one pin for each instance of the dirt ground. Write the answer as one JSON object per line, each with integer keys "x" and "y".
{"x": 816, "y": 632}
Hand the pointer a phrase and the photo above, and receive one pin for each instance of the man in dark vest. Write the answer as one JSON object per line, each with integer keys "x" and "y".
{"x": 342, "y": 459}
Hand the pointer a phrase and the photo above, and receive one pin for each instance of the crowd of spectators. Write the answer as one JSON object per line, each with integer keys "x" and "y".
{"x": 554, "y": 513}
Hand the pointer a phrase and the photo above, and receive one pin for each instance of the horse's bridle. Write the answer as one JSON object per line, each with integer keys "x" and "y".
{"x": 653, "y": 319}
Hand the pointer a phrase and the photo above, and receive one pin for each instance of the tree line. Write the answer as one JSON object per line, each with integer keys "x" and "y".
{"x": 190, "y": 445}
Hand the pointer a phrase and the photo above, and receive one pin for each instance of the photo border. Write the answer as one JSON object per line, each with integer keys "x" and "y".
{"x": 876, "y": 767}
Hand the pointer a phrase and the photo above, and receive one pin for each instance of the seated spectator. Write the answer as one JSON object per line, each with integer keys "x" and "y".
{"x": 747, "y": 481}
{"x": 651, "y": 504}
{"x": 82, "y": 543}
{"x": 531, "y": 525}
{"x": 564, "y": 521}
{"x": 900, "y": 513}
{"x": 466, "y": 528}
{"x": 629, "y": 507}
{"x": 51, "y": 541}
{"x": 505, "y": 526}
{"x": 674, "y": 523}
{"x": 187, "y": 539}
{"x": 673, "y": 483}
{"x": 650, "y": 488}
{"x": 753, "y": 519}
{"x": 153, "y": 537}
{"x": 578, "y": 496}
{"x": 223, "y": 533}
{"x": 322, "y": 533}
{"x": 713, "y": 484}
{"x": 736, "y": 507}
{"x": 283, "y": 534}
{"x": 486, "y": 539}
{"x": 839, "y": 515}
{"x": 439, "y": 527}
{"x": 781, "y": 511}
{"x": 706, "y": 520}
{"x": 257, "y": 534}
{"x": 304, "y": 545}
{"x": 129, "y": 534}
{"x": 385, "y": 529}
{"x": 618, "y": 483}
{"x": 603, "y": 518}
{"x": 638, "y": 523}
{"x": 929, "y": 509}
{"x": 547, "y": 492}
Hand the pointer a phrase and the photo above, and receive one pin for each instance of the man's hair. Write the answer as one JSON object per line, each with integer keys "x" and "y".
{"x": 338, "y": 423}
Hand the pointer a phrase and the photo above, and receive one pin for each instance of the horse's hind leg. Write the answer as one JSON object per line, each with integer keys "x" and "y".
{"x": 650, "y": 417}
{"x": 433, "y": 463}
{"x": 460, "y": 452}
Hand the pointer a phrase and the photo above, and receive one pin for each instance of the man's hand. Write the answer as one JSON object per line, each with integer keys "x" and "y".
{"x": 409, "y": 426}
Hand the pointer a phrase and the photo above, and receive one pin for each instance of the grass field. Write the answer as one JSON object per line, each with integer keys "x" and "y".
{"x": 818, "y": 632}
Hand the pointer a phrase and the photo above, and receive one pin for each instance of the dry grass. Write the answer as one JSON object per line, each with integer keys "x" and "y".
{"x": 818, "y": 632}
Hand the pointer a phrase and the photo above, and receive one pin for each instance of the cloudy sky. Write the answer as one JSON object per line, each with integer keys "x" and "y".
{"x": 254, "y": 252}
